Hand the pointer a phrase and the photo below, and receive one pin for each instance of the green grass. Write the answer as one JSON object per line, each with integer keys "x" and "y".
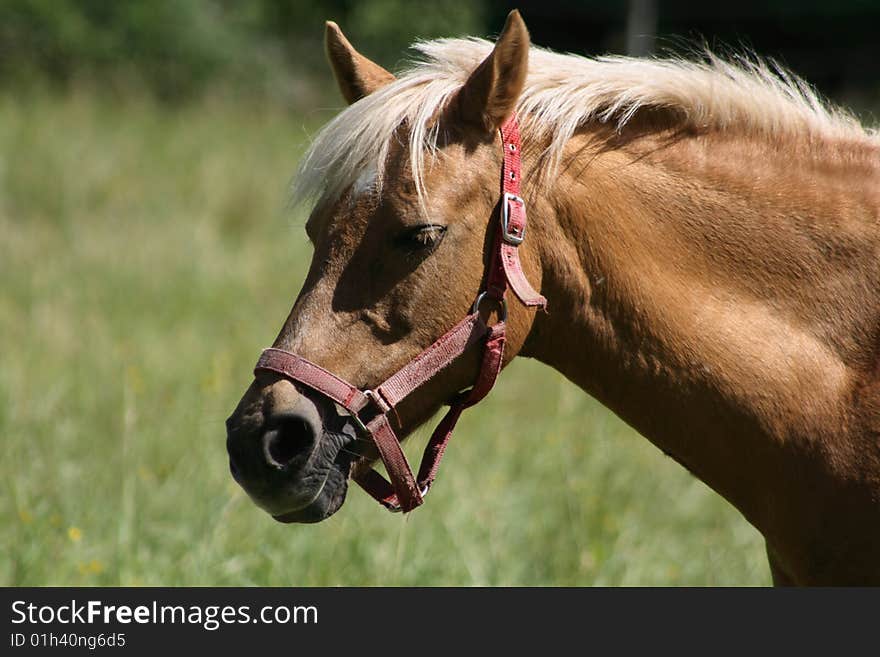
{"x": 146, "y": 257}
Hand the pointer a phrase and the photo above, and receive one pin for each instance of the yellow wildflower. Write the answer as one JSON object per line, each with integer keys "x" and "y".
{"x": 93, "y": 567}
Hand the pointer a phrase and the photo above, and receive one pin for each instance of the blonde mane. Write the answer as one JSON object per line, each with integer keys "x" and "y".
{"x": 563, "y": 93}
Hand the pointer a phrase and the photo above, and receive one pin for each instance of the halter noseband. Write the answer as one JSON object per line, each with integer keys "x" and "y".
{"x": 405, "y": 492}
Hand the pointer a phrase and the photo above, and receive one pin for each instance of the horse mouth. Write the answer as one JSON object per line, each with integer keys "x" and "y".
{"x": 329, "y": 496}
{"x": 324, "y": 506}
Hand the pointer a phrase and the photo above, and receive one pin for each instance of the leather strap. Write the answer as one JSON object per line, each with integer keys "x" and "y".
{"x": 384, "y": 491}
{"x": 406, "y": 494}
{"x": 433, "y": 359}
{"x": 299, "y": 369}
{"x": 513, "y": 217}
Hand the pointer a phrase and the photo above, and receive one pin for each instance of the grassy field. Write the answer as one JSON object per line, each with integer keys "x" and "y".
{"x": 146, "y": 257}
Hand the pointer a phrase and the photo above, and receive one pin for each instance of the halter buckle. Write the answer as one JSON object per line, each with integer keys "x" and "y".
{"x": 377, "y": 401}
{"x": 514, "y": 238}
{"x": 396, "y": 508}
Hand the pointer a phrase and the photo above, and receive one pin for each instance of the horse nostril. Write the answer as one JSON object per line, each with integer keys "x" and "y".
{"x": 290, "y": 438}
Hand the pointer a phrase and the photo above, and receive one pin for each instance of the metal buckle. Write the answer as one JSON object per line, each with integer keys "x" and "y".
{"x": 378, "y": 402}
{"x": 502, "y": 316}
{"x": 506, "y": 235}
{"x": 397, "y": 508}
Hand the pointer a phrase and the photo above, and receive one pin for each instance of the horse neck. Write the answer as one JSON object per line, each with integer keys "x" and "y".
{"x": 696, "y": 290}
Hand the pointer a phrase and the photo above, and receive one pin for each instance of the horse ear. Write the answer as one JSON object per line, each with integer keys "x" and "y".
{"x": 356, "y": 75}
{"x": 491, "y": 92}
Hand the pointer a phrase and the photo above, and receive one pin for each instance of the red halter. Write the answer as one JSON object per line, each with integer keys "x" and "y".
{"x": 405, "y": 492}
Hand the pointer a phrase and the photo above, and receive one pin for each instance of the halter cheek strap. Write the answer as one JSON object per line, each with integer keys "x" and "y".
{"x": 513, "y": 224}
{"x": 405, "y": 491}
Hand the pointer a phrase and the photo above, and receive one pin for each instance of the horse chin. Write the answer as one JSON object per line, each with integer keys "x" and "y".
{"x": 321, "y": 509}
{"x": 326, "y": 503}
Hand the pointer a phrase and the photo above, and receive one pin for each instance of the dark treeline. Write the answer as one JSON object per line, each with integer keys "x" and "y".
{"x": 177, "y": 49}
{"x": 831, "y": 43}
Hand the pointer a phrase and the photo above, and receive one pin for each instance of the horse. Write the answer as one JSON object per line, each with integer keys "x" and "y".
{"x": 701, "y": 257}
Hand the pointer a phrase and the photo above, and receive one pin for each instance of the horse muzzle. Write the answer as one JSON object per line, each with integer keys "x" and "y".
{"x": 291, "y": 454}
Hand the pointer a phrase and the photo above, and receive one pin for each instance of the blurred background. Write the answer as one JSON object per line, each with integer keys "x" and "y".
{"x": 147, "y": 254}
{"x": 180, "y": 49}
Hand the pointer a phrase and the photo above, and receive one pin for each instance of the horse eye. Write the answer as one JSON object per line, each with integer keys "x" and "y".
{"x": 422, "y": 237}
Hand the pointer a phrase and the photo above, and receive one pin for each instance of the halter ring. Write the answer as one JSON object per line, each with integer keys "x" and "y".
{"x": 502, "y": 316}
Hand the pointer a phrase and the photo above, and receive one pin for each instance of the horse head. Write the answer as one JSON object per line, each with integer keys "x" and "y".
{"x": 402, "y": 243}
